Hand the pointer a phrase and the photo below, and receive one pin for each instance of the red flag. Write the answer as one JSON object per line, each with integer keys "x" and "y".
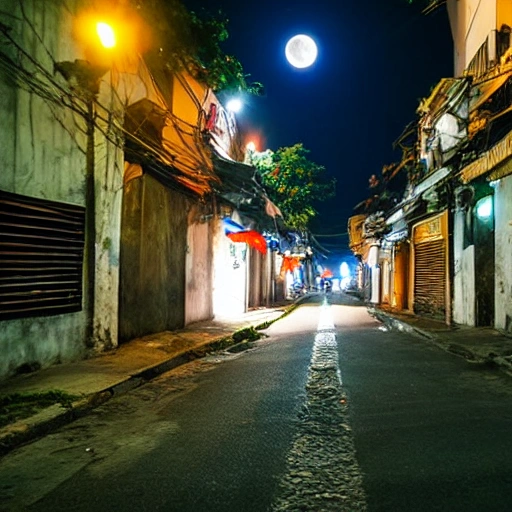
{"x": 252, "y": 238}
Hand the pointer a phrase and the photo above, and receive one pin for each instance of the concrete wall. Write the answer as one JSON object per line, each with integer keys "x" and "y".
{"x": 503, "y": 253}
{"x": 229, "y": 274}
{"x": 471, "y": 22}
{"x": 153, "y": 253}
{"x": 259, "y": 278}
{"x": 108, "y": 176}
{"x": 464, "y": 300}
{"x": 199, "y": 269}
{"x": 44, "y": 154}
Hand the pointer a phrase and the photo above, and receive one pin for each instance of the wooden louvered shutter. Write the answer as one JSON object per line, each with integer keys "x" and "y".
{"x": 430, "y": 266}
{"x": 430, "y": 277}
{"x": 41, "y": 256}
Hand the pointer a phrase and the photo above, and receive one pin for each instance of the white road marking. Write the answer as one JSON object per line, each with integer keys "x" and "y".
{"x": 323, "y": 473}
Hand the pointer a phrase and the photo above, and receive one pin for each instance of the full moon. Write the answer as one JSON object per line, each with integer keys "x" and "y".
{"x": 301, "y": 51}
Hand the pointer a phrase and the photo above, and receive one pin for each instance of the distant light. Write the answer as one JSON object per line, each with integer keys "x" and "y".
{"x": 484, "y": 208}
{"x": 234, "y": 105}
{"x": 106, "y": 34}
{"x": 251, "y": 146}
{"x": 344, "y": 270}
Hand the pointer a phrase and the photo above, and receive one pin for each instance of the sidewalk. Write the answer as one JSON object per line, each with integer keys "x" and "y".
{"x": 476, "y": 344}
{"x": 99, "y": 378}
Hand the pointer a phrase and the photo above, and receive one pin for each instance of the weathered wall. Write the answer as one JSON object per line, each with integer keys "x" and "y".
{"x": 153, "y": 254}
{"x": 229, "y": 274}
{"x": 258, "y": 278}
{"x": 464, "y": 301}
{"x": 199, "y": 269}
{"x": 43, "y": 154}
{"x": 503, "y": 253}
{"x": 108, "y": 175}
{"x": 254, "y": 283}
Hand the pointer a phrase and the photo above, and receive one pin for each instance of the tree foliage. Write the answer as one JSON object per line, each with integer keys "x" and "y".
{"x": 183, "y": 38}
{"x": 293, "y": 182}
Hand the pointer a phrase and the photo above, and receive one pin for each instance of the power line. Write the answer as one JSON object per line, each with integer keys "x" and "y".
{"x": 330, "y": 236}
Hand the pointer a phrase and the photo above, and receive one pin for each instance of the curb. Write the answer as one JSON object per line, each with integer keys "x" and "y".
{"x": 54, "y": 417}
{"x": 399, "y": 325}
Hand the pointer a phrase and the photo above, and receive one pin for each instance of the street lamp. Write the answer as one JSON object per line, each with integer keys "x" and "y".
{"x": 106, "y": 34}
{"x": 234, "y": 105}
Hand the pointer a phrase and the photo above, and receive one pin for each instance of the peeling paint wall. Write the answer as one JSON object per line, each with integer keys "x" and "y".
{"x": 44, "y": 154}
{"x": 503, "y": 251}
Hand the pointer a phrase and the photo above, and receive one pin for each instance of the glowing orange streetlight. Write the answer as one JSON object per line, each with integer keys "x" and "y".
{"x": 106, "y": 34}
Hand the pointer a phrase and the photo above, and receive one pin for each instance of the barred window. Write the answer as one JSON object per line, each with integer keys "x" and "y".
{"x": 41, "y": 256}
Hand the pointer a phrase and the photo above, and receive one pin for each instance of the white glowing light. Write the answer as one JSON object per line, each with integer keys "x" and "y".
{"x": 484, "y": 208}
{"x": 234, "y": 105}
{"x": 301, "y": 51}
{"x": 344, "y": 270}
{"x": 106, "y": 34}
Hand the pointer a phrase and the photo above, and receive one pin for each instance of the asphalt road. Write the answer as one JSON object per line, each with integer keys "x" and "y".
{"x": 430, "y": 431}
{"x": 211, "y": 436}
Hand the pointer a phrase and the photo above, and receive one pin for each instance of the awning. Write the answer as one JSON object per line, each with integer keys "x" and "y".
{"x": 491, "y": 159}
{"x": 238, "y": 184}
{"x": 230, "y": 226}
{"x": 480, "y": 93}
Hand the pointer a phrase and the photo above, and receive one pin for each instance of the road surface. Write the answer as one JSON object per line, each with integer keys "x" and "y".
{"x": 329, "y": 412}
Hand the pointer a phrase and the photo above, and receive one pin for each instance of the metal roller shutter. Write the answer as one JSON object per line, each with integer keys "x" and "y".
{"x": 430, "y": 278}
{"x": 41, "y": 256}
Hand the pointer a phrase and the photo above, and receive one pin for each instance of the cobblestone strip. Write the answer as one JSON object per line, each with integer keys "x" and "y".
{"x": 322, "y": 473}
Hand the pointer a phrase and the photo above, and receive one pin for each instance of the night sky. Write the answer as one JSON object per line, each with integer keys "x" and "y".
{"x": 376, "y": 59}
